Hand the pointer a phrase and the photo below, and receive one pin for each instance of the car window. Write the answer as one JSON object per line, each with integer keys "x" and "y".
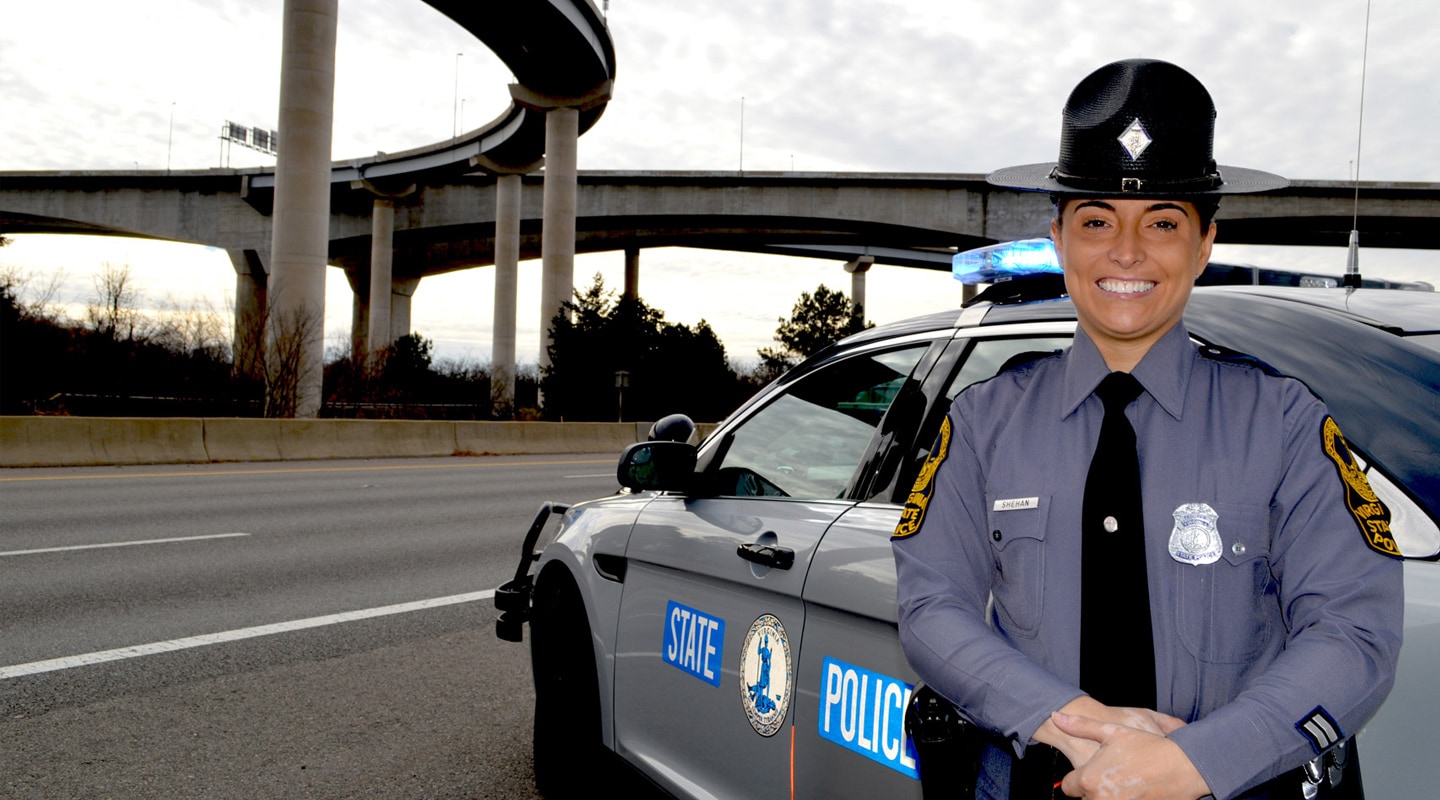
{"x": 808, "y": 442}
{"x": 987, "y": 356}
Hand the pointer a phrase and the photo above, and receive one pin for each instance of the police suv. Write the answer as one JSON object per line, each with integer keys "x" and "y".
{"x": 726, "y": 625}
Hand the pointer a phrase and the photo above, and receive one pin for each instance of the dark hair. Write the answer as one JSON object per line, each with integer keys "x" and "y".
{"x": 1205, "y": 206}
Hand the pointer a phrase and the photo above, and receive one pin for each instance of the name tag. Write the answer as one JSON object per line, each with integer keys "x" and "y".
{"x": 1017, "y": 503}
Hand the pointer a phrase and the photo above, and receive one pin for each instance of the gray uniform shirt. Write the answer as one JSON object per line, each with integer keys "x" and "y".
{"x": 1294, "y": 629}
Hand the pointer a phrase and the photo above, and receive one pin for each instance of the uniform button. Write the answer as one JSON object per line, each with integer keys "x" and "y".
{"x": 996, "y": 535}
{"x": 1238, "y": 548}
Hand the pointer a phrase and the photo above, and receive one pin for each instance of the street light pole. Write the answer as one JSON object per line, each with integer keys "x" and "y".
{"x": 170, "y": 141}
{"x": 455, "y": 102}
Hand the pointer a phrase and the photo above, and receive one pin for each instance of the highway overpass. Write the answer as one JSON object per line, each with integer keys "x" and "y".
{"x": 448, "y": 222}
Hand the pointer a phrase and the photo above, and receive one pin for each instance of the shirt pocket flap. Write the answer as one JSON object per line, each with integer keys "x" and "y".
{"x": 1016, "y": 518}
{"x": 1244, "y": 532}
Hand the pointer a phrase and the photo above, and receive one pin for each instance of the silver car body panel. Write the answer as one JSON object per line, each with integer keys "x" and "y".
{"x": 683, "y": 567}
{"x": 586, "y": 529}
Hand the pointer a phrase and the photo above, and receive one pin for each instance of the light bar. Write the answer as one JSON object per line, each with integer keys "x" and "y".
{"x": 1004, "y": 261}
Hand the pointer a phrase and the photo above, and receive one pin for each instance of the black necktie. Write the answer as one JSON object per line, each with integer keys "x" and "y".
{"x": 1117, "y": 655}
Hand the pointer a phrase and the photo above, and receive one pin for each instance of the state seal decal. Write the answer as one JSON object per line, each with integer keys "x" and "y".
{"x": 919, "y": 498}
{"x": 1195, "y": 539}
{"x": 765, "y": 673}
{"x": 1369, "y": 511}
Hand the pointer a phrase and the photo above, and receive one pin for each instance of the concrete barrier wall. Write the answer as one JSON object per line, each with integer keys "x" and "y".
{"x": 83, "y": 441}
{"x": 95, "y": 441}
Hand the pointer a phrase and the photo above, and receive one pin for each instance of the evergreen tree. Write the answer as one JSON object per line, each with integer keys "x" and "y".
{"x": 816, "y": 322}
{"x": 667, "y": 368}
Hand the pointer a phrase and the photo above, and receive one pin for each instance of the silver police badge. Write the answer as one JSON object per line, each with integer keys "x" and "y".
{"x": 1195, "y": 539}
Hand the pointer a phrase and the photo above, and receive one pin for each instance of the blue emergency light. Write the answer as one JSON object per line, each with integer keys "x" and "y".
{"x": 1001, "y": 262}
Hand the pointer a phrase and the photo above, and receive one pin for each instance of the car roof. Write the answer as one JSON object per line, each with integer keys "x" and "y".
{"x": 1350, "y": 348}
{"x": 1404, "y": 312}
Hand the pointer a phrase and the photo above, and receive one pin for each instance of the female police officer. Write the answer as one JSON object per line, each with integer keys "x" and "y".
{"x": 1138, "y": 551}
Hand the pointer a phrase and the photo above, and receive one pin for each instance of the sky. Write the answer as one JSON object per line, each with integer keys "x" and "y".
{"x": 944, "y": 86}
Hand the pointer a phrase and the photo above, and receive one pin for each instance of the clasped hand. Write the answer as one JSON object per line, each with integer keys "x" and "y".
{"x": 1121, "y": 753}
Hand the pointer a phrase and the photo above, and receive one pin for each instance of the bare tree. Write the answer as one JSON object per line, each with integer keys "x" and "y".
{"x": 199, "y": 329}
{"x": 115, "y": 312}
{"x": 36, "y": 300}
{"x": 289, "y": 366}
{"x": 248, "y": 343}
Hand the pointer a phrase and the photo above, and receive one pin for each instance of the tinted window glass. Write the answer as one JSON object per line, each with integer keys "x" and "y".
{"x": 808, "y": 442}
{"x": 986, "y": 357}
{"x": 989, "y": 356}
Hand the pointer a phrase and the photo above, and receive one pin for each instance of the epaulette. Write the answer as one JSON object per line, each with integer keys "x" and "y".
{"x": 1025, "y": 359}
{"x": 1225, "y": 355}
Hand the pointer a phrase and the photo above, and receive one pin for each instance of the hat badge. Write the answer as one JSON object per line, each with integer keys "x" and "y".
{"x": 1135, "y": 139}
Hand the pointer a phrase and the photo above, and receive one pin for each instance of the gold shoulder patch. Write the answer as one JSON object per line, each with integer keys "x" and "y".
{"x": 1370, "y": 513}
{"x": 919, "y": 499}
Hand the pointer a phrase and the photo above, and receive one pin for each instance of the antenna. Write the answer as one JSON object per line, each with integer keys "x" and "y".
{"x": 1352, "y": 259}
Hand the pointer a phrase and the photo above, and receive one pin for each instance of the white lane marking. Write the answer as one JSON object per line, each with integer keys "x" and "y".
{"x": 119, "y": 544}
{"x": 596, "y": 475}
{"x": 154, "y": 648}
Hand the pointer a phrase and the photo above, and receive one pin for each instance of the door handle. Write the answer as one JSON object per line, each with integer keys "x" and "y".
{"x": 767, "y": 555}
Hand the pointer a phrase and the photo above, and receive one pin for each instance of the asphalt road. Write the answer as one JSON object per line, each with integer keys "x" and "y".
{"x": 420, "y": 702}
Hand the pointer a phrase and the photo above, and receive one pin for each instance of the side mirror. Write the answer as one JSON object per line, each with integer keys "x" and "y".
{"x": 657, "y": 466}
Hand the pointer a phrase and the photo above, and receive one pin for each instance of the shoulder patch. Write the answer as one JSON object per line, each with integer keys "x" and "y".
{"x": 919, "y": 498}
{"x": 1370, "y": 513}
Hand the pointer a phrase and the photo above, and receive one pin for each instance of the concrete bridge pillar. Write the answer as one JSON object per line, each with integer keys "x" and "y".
{"x": 400, "y": 294}
{"x": 632, "y": 273}
{"x": 507, "y": 276}
{"x": 557, "y": 234}
{"x": 858, "y": 269}
{"x": 396, "y": 305}
{"x": 382, "y": 252}
{"x": 359, "y": 279}
{"x": 295, "y": 338}
{"x": 251, "y": 282}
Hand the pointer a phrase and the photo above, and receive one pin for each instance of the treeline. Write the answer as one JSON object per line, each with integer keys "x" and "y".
{"x": 117, "y": 360}
{"x": 610, "y": 359}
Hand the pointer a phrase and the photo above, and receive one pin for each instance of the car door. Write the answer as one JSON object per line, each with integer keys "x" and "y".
{"x": 854, "y": 681}
{"x": 711, "y": 614}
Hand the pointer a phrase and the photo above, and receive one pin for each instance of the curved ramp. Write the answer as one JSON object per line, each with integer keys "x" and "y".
{"x": 558, "y": 50}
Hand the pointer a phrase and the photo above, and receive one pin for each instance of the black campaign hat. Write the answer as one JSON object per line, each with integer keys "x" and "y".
{"x": 1138, "y": 127}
